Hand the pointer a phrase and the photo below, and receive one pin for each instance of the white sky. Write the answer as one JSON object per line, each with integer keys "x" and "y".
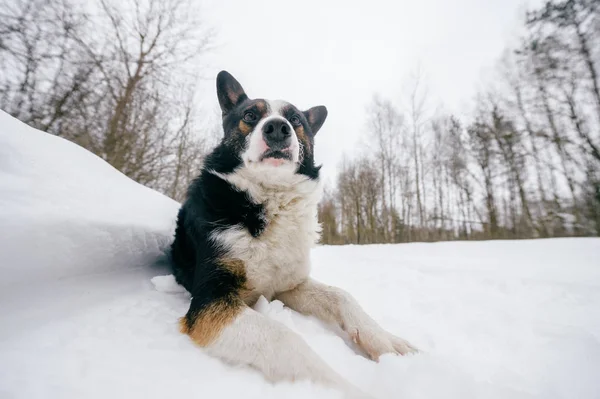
{"x": 340, "y": 53}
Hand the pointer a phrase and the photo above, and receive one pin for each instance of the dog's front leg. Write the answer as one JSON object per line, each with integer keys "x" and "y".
{"x": 335, "y": 306}
{"x": 228, "y": 329}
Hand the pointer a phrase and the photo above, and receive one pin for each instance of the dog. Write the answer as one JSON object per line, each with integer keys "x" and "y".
{"x": 246, "y": 230}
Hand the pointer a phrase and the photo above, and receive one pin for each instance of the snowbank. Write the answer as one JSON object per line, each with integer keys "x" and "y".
{"x": 66, "y": 213}
{"x": 58, "y": 198}
{"x": 81, "y": 315}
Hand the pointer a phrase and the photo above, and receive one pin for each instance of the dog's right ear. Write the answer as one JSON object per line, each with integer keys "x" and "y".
{"x": 229, "y": 91}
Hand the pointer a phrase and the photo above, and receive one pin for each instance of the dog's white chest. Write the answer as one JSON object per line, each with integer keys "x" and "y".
{"x": 279, "y": 259}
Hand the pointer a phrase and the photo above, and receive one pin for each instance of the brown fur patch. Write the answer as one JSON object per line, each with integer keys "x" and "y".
{"x": 210, "y": 321}
{"x": 205, "y": 325}
{"x": 244, "y": 128}
{"x": 235, "y": 266}
{"x": 261, "y": 106}
{"x": 301, "y": 134}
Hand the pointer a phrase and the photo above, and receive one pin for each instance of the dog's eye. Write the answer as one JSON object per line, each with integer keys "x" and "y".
{"x": 295, "y": 120}
{"x": 249, "y": 116}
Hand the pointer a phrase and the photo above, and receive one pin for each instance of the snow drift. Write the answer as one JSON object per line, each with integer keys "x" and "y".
{"x": 81, "y": 315}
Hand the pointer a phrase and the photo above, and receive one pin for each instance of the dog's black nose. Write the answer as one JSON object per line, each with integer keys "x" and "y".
{"x": 277, "y": 133}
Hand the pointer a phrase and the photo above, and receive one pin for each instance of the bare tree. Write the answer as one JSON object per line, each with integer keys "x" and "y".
{"x": 417, "y": 109}
{"x": 580, "y": 17}
{"x": 111, "y": 77}
{"x": 386, "y": 125}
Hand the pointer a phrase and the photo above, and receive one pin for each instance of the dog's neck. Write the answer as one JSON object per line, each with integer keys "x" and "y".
{"x": 263, "y": 182}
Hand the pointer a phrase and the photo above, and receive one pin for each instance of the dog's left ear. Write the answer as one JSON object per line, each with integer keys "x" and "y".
{"x": 229, "y": 91}
{"x": 316, "y": 117}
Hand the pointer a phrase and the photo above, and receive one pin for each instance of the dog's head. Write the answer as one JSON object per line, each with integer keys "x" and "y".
{"x": 273, "y": 133}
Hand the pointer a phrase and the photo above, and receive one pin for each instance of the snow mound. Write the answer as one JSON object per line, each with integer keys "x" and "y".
{"x": 57, "y": 199}
{"x": 88, "y": 310}
{"x": 167, "y": 284}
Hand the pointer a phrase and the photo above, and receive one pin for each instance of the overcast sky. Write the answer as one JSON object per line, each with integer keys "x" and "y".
{"x": 339, "y": 53}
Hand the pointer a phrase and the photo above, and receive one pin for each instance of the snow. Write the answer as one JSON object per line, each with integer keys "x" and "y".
{"x": 166, "y": 283}
{"x": 88, "y": 310}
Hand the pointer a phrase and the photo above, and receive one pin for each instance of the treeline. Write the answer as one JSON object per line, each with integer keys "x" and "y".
{"x": 116, "y": 77}
{"x": 526, "y": 164}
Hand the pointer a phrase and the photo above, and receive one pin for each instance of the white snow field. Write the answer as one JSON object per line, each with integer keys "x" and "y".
{"x": 80, "y": 316}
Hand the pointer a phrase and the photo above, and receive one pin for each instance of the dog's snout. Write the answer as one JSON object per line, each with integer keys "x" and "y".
{"x": 276, "y": 132}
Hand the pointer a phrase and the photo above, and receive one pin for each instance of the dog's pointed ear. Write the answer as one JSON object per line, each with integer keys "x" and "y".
{"x": 229, "y": 91}
{"x": 316, "y": 117}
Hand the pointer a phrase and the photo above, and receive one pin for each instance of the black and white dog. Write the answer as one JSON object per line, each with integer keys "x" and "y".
{"x": 246, "y": 230}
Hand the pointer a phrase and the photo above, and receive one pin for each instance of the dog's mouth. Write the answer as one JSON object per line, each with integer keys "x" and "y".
{"x": 276, "y": 157}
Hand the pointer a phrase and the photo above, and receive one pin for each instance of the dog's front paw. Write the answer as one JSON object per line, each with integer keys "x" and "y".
{"x": 375, "y": 342}
{"x": 402, "y": 346}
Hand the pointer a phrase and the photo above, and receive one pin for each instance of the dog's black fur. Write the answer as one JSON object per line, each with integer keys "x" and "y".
{"x": 213, "y": 204}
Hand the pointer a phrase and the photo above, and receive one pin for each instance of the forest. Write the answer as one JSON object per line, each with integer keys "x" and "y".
{"x": 524, "y": 164}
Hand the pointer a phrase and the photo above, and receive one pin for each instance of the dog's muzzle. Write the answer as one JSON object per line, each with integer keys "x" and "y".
{"x": 277, "y": 134}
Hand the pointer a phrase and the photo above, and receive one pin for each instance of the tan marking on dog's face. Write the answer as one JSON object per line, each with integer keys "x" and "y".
{"x": 244, "y": 128}
{"x": 259, "y": 108}
{"x": 209, "y": 322}
{"x": 288, "y": 110}
{"x": 261, "y": 105}
{"x": 303, "y": 138}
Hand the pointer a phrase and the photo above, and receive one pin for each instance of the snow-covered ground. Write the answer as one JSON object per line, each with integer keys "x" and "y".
{"x": 81, "y": 318}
